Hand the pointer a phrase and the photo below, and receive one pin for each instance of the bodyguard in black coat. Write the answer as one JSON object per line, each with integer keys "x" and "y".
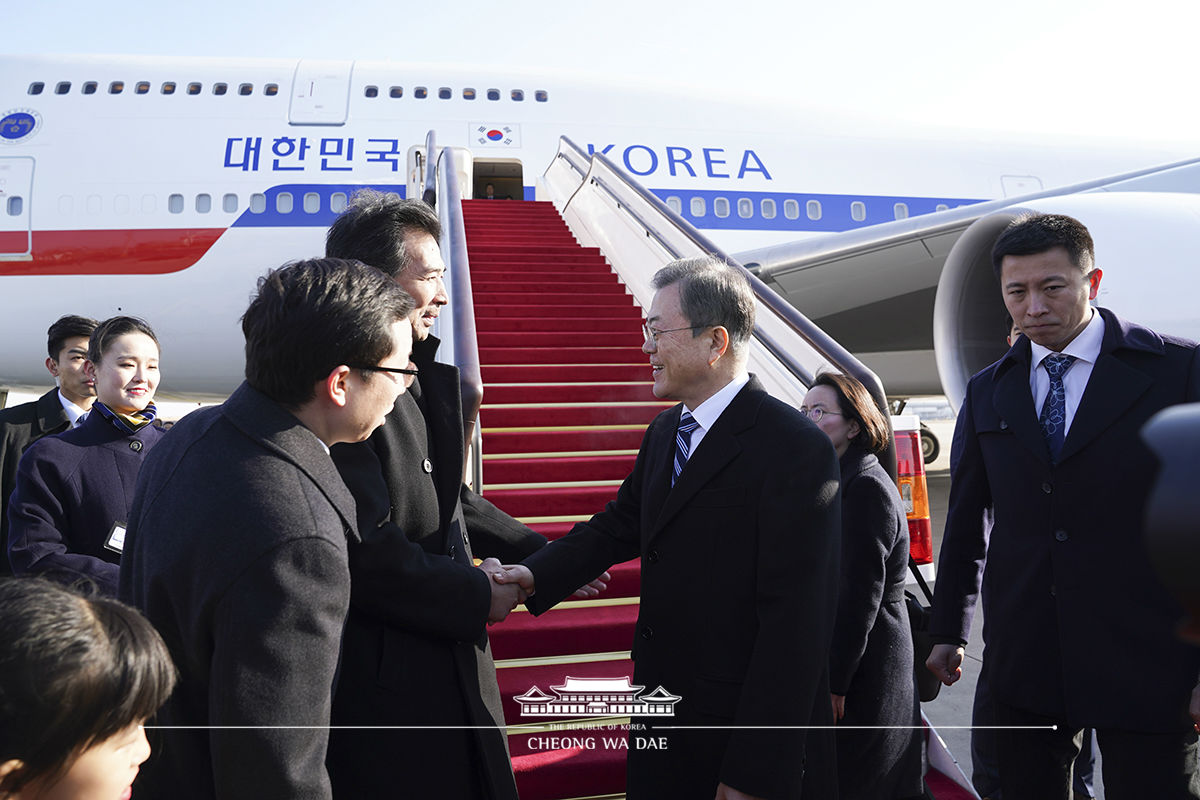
{"x": 1080, "y": 633}
{"x": 739, "y": 561}
{"x": 237, "y": 545}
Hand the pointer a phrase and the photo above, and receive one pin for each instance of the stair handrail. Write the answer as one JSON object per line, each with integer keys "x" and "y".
{"x": 429, "y": 195}
{"x": 821, "y": 342}
{"x": 463, "y": 339}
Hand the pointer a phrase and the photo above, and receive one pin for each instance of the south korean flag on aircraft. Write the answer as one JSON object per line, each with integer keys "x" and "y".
{"x": 487, "y": 134}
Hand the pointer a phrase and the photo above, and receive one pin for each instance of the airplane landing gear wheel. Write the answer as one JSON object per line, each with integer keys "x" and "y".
{"x": 930, "y": 446}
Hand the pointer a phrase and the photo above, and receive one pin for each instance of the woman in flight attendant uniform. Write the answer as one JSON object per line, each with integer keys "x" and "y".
{"x": 71, "y": 502}
{"x": 871, "y": 683}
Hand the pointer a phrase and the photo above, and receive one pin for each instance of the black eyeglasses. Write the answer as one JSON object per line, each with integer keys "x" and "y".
{"x": 397, "y": 370}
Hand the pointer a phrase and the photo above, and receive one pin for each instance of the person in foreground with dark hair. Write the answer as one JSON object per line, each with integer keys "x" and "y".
{"x": 880, "y": 758}
{"x": 1048, "y": 436}
{"x": 733, "y": 506}
{"x": 416, "y": 654}
{"x": 238, "y": 536}
{"x": 78, "y": 677}
{"x": 54, "y": 412}
{"x": 70, "y": 508}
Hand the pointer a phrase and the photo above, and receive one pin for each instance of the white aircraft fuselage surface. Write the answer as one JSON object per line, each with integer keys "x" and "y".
{"x": 164, "y": 187}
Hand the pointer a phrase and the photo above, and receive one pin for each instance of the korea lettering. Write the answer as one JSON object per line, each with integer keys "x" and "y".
{"x": 300, "y": 154}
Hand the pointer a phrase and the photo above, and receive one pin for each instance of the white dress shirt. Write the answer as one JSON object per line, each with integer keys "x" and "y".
{"x": 708, "y": 412}
{"x": 75, "y": 414}
{"x": 1086, "y": 349}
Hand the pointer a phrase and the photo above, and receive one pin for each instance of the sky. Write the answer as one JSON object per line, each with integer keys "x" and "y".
{"x": 1086, "y": 67}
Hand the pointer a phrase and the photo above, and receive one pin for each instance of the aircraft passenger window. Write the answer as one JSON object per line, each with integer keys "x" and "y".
{"x": 89, "y": 87}
{"x": 721, "y": 207}
{"x": 371, "y": 91}
{"x": 493, "y": 94}
{"x": 203, "y": 203}
{"x": 168, "y": 87}
{"x": 220, "y": 88}
{"x": 63, "y": 87}
{"x": 901, "y": 210}
{"x": 121, "y": 204}
{"x": 791, "y": 209}
{"x": 193, "y": 88}
{"x": 468, "y": 94}
{"x": 175, "y": 204}
{"x": 337, "y": 202}
{"x": 813, "y": 209}
{"x": 941, "y": 207}
{"x": 15, "y": 205}
{"x": 258, "y": 203}
{"x": 36, "y": 87}
{"x": 858, "y": 211}
{"x": 420, "y": 92}
{"x": 271, "y": 89}
{"x": 745, "y": 208}
{"x": 229, "y": 203}
{"x": 675, "y": 204}
{"x": 697, "y": 207}
{"x": 396, "y": 91}
{"x": 445, "y": 93}
{"x": 312, "y": 202}
{"x": 142, "y": 87}
{"x": 768, "y": 208}
{"x": 284, "y": 203}
{"x": 116, "y": 87}
{"x": 541, "y": 95}
{"x": 518, "y": 95}
{"x": 245, "y": 89}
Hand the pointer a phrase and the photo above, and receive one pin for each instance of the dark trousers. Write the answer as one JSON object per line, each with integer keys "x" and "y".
{"x": 1036, "y": 764}
{"x": 985, "y": 774}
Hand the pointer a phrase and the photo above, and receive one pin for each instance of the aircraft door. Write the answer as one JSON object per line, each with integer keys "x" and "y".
{"x": 501, "y": 177}
{"x": 16, "y": 186}
{"x": 320, "y": 93}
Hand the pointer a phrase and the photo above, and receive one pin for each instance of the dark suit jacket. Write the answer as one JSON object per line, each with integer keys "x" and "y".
{"x": 1078, "y": 626}
{"x": 739, "y": 591}
{"x": 72, "y": 488}
{"x": 872, "y": 639}
{"x": 236, "y": 553}
{"x": 416, "y": 649}
{"x": 21, "y": 426}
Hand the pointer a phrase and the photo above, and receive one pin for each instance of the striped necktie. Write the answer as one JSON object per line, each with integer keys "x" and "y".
{"x": 683, "y": 442}
{"x": 1053, "y": 418}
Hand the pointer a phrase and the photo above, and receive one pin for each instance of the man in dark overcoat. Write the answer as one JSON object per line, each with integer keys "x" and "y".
{"x": 734, "y": 508}
{"x": 54, "y": 412}
{"x": 416, "y": 656}
{"x": 1080, "y": 633}
{"x": 236, "y": 548}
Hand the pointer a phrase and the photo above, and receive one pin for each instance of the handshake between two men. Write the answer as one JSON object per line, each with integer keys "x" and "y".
{"x": 513, "y": 583}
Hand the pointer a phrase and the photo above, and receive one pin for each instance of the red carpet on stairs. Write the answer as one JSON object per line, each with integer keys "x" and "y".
{"x": 566, "y": 401}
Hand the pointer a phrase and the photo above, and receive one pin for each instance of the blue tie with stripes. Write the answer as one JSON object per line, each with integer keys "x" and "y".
{"x": 683, "y": 442}
{"x": 1053, "y": 418}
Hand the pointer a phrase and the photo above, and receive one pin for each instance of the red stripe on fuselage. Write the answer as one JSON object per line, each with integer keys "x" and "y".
{"x": 108, "y": 252}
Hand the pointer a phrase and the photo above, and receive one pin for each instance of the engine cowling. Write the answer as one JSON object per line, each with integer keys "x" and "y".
{"x": 1147, "y": 243}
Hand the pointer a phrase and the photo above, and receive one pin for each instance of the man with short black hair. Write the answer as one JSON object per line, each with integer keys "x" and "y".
{"x": 54, "y": 412}
{"x": 416, "y": 655}
{"x": 734, "y": 507}
{"x": 236, "y": 548}
{"x": 1080, "y": 633}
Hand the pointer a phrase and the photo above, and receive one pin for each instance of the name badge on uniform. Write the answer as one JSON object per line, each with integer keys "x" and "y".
{"x": 116, "y": 538}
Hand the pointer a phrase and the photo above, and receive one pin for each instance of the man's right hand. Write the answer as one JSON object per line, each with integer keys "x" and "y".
{"x": 945, "y": 661}
{"x": 504, "y": 596}
{"x": 518, "y": 575}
